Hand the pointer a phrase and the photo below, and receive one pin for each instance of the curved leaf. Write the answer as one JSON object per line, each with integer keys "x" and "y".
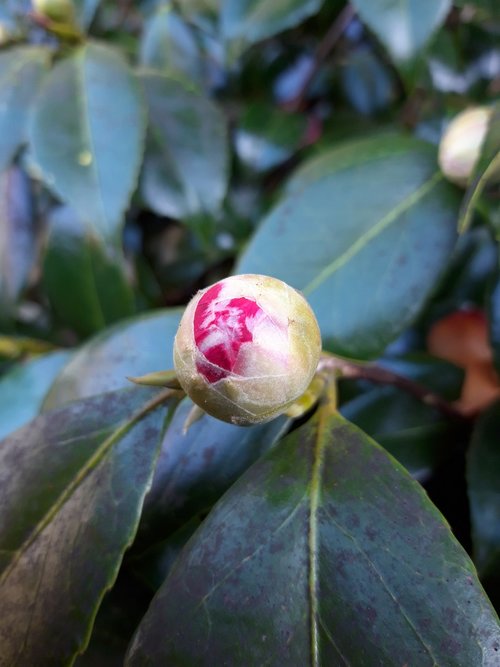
{"x": 23, "y": 389}
{"x": 403, "y": 26}
{"x": 72, "y": 485}
{"x": 325, "y": 552}
{"x": 85, "y": 284}
{"x": 245, "y": 22}
{"x": 364, "y": 231}
{"x": 21, "y": 70}
{"x": 186, "y": 165}
{"x": 168, "y": 44}
{"x": 87, "y": 135}
{"x": 135, "y": 347}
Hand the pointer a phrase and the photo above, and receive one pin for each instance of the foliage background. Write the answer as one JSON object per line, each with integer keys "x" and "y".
{"x": 148, "y": 149}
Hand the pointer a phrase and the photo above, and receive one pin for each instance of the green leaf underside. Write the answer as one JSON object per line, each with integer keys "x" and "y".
{"x": 133, "y": 347}
{"x": 249, "y": 21}
{"x": 186, "y": 165}
{"x": 367, "y": 264}
{"x": 324, "y": 553}
{"x": 21, "y": 70}
{"x": 72, "y": 485}
{"x": 403, "y": 26}
{"x": 195, "y": 468}
{"x": 169, "y": 45}
{"x": 86, "y": 286}
{"x": 87, "y": 135}
{"x": 483, "y": 478}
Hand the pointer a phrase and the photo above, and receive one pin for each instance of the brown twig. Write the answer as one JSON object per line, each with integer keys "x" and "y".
{"x": 378, "y": 375}
{"x": 326, "y": 45}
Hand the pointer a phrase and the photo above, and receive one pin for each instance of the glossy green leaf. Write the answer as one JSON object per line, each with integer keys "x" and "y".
{"x": 137, "y": 346}
{"x": 364, "y": 230}
{"x": 17, "y": 236}
{"x": 186, "y": 165}
{"x": 23, "y": 389}
{"x": 21, "y": 70}
{"x": 195, "y": 468}
{"x": 403, "y": 26}
{"x": 85, "y": 282}
{"x": 325, "y": 552}
{"x": 72, "y": 486}
{"x": 168, "y": 44}
{"x": 244, "y": 22}
{"x": 483, "y": 477}
{"x": 87, "y": 135}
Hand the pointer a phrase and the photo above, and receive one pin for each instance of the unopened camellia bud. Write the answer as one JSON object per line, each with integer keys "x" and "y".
{"x": 461, "y": 143}
{"x": 60, "y": 11}
{"x": 247, "y": 347}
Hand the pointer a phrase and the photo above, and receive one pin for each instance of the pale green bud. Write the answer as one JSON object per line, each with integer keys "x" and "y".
{"x": 461, "y": 144}
{"x": 247, "y": 348}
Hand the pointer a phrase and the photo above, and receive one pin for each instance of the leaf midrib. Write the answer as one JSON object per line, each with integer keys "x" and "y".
{"x": 362, "y": 241}
{"x": 120, "y": 431}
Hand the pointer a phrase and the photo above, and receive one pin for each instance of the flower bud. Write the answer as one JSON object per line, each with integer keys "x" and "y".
{"x": 246, "y": 348}
{"x": 60, "y": 11}
{"x": 461, "y": 144}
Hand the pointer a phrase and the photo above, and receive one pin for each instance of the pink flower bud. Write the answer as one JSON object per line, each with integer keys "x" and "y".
{"x": 247, "y": 348}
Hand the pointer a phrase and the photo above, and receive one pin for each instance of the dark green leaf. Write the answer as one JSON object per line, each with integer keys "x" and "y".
{"x": 72, "y": 485}
{"x": 244, "y": 22}
{"x": 87, "y": 135}
{"x": 364, "y": 231}
{"x": 21, "y": 70}
{"x": 403, "y": 26}
{"x": 483, "y": 476}
{"x": 186, "y": 166}
{"x": 23, "y": 389}
{"x": 325, "y": 553}
{"x": 17, "y": 236}
{"x": 168, "y": 44}
{"x": 266, "y": 137}
{"x": 368, "y": 84}
{"x": 140, "y": 345}
{"x": 197, "y": 467}
{"x": 155, "y": 563}
{"x": 85, "y": 282}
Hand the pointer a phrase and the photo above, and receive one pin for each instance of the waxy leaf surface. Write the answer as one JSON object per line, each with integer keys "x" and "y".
{"x": 72, "y": 483}
{"x": 364, "y": 231}
{"x": 87, "y": 135}
{"x": 325, "y": 552}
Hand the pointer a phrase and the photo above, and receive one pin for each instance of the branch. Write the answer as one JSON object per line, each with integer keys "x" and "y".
{"x": 324, "y": 47}
{"x": 379, "y": 375}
